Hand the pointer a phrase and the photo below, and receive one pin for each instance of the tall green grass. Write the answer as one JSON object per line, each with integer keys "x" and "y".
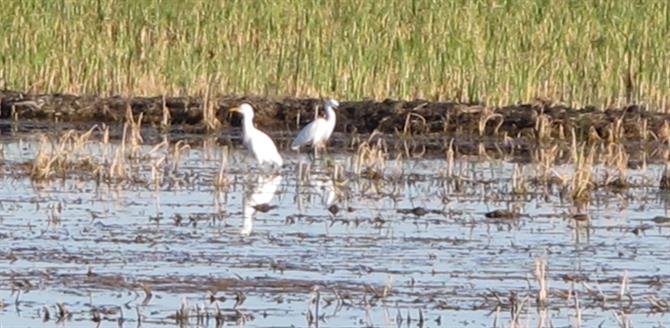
{"x": 598, "y": 52}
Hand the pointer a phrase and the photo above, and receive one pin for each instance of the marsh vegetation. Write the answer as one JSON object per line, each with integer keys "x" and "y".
{"x": 603, "y": 53}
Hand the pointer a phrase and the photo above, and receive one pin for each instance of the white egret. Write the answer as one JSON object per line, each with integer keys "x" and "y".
{"x": 258, "y": 143}
{"x": 317, "y": 132}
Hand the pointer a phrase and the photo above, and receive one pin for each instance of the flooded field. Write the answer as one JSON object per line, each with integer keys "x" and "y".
{"x": 184, "y": 230}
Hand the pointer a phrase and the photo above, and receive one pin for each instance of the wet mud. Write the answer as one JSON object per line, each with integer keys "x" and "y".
{"x": 535, "y": 121}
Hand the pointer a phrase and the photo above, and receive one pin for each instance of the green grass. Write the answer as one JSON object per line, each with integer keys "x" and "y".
{"x": 598, "y": 52}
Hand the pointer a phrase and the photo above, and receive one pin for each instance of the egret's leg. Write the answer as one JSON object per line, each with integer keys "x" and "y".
{"x": 316, "y": 152}
{"x": 329, "y": 156}
{"x": 324, "y": 151}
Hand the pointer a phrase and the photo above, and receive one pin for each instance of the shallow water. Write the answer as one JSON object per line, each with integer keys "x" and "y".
{"x": 96, "y": 246}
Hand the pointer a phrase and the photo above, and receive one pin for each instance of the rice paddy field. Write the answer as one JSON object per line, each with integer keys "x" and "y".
{"x": 493, "y": 164}
{"x": 596, "y": 52}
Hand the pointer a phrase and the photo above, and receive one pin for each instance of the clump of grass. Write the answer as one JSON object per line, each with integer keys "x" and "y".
{"x": 518, "y": 182}
{"x": 616, "y": 130}
{"x": 67, "y": 154}
{"x": 370, "y": 158}
{"x": 507, "y": 52}
{"x": 545, "y": 157}
{"x": 132, "y": 133}
{"x": 581, "y": 183}
{"x": 617, "y": 157}
{"x": 41, "y": 166}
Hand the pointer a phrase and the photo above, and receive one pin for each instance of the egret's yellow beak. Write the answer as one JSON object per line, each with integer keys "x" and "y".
{"x": 235, "y": 109}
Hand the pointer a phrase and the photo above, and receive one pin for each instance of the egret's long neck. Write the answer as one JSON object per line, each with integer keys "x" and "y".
{"x": 330, "y": 114}
{"x": 248, "y": 123}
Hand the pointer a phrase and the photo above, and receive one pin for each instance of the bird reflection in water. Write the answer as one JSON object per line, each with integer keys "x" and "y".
{"x": 325, "y": 188}
{"x": 316, "y": 188}
{"x": 258, "y": 200}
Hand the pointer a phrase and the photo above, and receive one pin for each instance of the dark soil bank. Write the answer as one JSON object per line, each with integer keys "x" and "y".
{"x": 417, "y": 117}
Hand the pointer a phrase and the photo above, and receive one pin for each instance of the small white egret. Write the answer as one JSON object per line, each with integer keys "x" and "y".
{"x": 317, "y": 132}
{"x": 258, "y": 143}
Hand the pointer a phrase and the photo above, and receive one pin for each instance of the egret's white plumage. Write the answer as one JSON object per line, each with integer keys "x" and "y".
{"x": 258, "y": 143}
{"x": 317, "y": 132}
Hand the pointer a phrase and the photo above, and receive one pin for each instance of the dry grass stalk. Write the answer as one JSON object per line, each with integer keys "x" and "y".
{"x": 581, "y": 180}
{"x": 546, "y": 157}
{"x": 582, "y": 159}
{"x": 594, "y": 136}
{"x": 543, "y": 128}
{"x": 617, "y": 157}
{"x": 179, "y": 148}
{"x": 221, "y": 180}
{"x": 336, "y": 172}
{"x": 134, "y": 137}
{"x": 486, "y": 115}
{"x": 370, "y": 158}
{"x": 541, "y": 276}
{"x": 578, "y": 309}
{"x": 157, "y": 171}
{"x": 117, "y": 170}
{"x": 664, "y": 133}
{"x": 409, "y": 123}
{"x": 209, "y": 118}
{"x": 41, "y": 166}
{"x": 624, "y": 285}
{"x": 518, "y": 182}
{"x": 622, "y": 319}
{"x": 644, "y": 129}
{"x": 105, "y": 135}
{"x": 616, "y": 130}
{"x": 165, "y": 121}
{"x": 516, "y": 315}
{"x": 450, "y": 159}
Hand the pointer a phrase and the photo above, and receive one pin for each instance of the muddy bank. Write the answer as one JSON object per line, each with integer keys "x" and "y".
{"x": 538, "y": 120}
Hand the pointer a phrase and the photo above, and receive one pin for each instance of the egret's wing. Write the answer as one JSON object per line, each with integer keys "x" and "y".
{"x": 305, "y": 136}
{"x": 264, "y": 148}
